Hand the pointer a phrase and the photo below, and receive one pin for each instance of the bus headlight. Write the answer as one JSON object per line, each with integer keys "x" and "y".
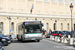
{"x": 40, "y": 35}
{"x": 26, "y": 36}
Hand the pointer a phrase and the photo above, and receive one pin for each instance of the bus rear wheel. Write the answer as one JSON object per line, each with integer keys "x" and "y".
{"x": 18, "y": 38}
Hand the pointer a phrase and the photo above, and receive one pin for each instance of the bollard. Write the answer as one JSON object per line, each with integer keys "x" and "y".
{"x": 55, "y": 38}
{"x": 74, "y": 44}
{"x": 69, "y": 36}
{"x": 62, "y": 39}
{"x": 71, "y": 41}
{"x": 65, "y": 40}
{"x": 58, "y": 39}
{"x": 52, "y": 37}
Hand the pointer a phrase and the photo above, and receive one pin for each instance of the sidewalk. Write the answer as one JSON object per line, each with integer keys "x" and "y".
{"x": 59, "y": 43}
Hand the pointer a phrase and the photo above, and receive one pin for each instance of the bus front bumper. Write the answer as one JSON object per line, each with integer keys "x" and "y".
{"x": 33, "y": 38}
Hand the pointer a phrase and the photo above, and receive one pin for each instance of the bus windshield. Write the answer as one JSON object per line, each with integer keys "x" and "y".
{"x": 33, "y": 28}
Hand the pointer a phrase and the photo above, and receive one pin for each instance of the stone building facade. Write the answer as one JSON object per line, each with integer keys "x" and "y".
{"x": 54, "y": 14}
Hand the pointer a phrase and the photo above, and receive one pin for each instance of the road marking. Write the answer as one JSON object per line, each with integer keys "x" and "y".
{"x": 52, "y": 42}
{"x": 64, "y": 47}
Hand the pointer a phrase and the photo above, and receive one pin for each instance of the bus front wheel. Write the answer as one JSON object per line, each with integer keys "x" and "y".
{"x": 22, "y": 38}
{"x": 38, "y": 40}
{"x": 18, "y": 37}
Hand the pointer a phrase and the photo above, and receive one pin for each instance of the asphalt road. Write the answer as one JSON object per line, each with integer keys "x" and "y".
{"x": 44, "y": 44}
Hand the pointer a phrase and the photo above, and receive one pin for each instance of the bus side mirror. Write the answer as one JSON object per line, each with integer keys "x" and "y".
{"x": 42, "y": 24}
{"x": 22, "y": 26}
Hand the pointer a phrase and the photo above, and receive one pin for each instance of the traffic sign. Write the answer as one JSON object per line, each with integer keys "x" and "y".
{"x": 9, "y": 30}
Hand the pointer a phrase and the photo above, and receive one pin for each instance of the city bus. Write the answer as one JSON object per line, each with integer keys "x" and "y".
{"x": 30, "y": 30}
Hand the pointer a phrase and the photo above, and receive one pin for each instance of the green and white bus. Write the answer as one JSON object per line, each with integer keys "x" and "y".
{"x": 30, "y": 30}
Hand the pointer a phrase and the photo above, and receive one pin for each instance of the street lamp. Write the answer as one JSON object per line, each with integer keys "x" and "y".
{"x": 71, "y": 7}
{"x": 9, "y": 24}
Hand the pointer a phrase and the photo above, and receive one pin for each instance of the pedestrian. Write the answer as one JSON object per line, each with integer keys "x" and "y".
{"x": 50, "y": 31}
{"x": 45, "y": 33}
{"x": 74, "y": 33}
{"x": 0, "y": 32}
{"x": 42, "y": 30}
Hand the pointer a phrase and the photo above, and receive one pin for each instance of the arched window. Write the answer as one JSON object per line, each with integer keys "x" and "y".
{"x": 53, "y": 1}
{"x": 47, "y": 26}
{"x": 60, "y": 1}
{"x": 12, "y": 26}
{"x": 1, "y": 26}
{"x": 61, "y": 26}
{"x": 73, "y": 2}
{"x": 45, "y": 0}
{"x": 54, "y": 26}
{"x": 68, "y": 26}
{"x": 66, "y": 1}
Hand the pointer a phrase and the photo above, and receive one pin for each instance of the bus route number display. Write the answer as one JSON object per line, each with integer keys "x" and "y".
{"x": 32, "y": 23}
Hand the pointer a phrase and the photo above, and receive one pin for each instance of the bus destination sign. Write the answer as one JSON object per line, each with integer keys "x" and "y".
{"x": 26, "y": 23}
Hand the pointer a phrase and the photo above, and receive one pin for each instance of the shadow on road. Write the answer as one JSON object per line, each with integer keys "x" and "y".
{"x": 70, "y": 45}
{"x": 16, "y": 41}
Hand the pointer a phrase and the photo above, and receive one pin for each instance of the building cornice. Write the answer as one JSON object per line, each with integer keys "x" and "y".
{"x": 34, "y": 15}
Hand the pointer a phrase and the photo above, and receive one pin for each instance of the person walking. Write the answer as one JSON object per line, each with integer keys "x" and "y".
{"x": 42, "y": 30}
{"x": 74, "y": 34}
{"x": 50, "y": 31}
{"x": 45, "y": 33}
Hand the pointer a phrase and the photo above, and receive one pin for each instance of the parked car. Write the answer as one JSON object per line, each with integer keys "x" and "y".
{"x": 58, "y": 33}
{"x": 48, "y": 35}
{"x": 68, "y": 32}
{"x": 5, "y": 40}
{"x": 1, "y": 46}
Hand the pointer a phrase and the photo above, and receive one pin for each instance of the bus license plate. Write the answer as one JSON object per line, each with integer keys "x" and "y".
{"x": 33, "y": 39}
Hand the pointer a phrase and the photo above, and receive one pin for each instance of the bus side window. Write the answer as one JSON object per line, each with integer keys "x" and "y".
{"x": 42, "y": 24}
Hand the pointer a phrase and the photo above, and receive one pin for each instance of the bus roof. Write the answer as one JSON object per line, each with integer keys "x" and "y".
{"x": 32, "y": 21}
